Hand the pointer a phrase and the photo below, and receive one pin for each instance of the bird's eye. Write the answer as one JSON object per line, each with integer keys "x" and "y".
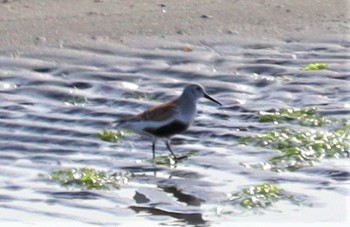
{"x": 198, "y": 88}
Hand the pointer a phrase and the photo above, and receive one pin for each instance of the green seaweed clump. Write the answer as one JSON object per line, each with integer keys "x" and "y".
{"x": 302, "y": 116}
{"x": 258, "y": 196}
{"x": 75, "y": 100}
{"x": 168, "y": 160}
{"x": 89, "y": 178}
{"x": 314, "y": 66}
{"x": 111, "y": 136}
{"x": 302, "y": 148}
{"x": 139, "y": 96}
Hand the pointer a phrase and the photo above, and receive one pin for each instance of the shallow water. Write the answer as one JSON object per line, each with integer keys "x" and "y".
{"x": 54, "y": 101}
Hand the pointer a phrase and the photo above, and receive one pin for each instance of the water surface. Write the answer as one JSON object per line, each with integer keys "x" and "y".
{"x": 53, "y": 102}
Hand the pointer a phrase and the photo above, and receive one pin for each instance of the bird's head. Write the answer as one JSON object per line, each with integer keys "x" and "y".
{"x": 196, "y": 91}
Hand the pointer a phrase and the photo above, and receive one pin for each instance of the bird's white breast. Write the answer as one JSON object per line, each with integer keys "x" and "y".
{"x": 186, "y": 115}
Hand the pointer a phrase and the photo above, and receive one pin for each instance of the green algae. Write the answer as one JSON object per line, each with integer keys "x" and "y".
{"x": 111, "y": 136}
{"x": 302, "y": 116}
{"x": 262, "y": 196}
{"x": 89, "y": 178}
{"x": 314, "y": 66}
{"x": 168, "y": 160}
{"x": 308, "y": 142}
{"x": 301, "y": 148}
{"x": 139, "y": 96}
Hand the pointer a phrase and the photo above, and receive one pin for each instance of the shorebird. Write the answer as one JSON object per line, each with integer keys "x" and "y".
{"x": 167, "y": 119}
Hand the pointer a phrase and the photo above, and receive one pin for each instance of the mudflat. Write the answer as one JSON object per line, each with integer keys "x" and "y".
{"x": 28, "y": 23}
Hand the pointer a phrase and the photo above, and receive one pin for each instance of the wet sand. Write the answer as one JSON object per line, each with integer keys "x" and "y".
{"x": 28, "y": 23}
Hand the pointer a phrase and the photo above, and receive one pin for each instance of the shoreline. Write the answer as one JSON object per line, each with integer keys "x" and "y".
{"x": 25, "y": 24}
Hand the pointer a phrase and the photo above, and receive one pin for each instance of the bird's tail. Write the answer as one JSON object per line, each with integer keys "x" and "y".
{"x": 122, "y": 122}
{"x": 118, "y": 123}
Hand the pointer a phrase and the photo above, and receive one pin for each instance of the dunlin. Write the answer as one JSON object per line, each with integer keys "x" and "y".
{"x": 167, "y": 119}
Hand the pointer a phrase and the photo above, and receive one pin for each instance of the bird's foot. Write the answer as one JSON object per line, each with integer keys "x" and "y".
{"x": 179, "y": 158}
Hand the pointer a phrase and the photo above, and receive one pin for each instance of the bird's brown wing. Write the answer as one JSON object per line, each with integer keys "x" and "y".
{"x": 156, "y": 113}
{"x": 159, "y": 113}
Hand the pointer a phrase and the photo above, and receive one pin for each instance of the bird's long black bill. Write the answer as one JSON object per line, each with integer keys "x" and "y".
{"x": 212, "y": 99}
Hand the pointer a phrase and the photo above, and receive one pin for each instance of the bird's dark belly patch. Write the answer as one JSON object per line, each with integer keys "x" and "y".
{"x": 168, "y": 130}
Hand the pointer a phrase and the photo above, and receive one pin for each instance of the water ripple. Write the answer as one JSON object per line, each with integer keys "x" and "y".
{"x": 53, "y": 102}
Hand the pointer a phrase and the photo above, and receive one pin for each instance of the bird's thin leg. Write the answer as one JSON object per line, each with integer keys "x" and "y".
{"x": 172, "y": 153}
{"x": 154, "y": 149}
{"x": 169, "y": 148}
